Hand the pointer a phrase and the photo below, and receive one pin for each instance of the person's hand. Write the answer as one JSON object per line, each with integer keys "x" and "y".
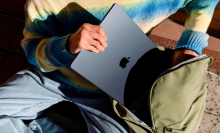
{"x": 87, "y": 37}
{"x": 181, "y": 55}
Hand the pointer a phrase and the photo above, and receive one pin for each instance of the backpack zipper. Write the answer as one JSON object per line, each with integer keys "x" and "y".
{"x": 195, "y": 59}
{"x": 153, "y": 129}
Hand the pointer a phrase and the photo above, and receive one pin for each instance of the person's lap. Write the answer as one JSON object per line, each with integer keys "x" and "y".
{"x": 29, "y": 92}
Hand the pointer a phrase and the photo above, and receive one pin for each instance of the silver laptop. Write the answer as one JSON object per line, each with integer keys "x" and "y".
{"x": 109, "y": 69}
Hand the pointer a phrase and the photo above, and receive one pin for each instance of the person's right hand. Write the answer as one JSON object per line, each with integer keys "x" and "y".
{"x": 87, "y": 37}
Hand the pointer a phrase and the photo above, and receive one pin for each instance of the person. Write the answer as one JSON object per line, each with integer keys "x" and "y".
{"x": 56, "y": 31}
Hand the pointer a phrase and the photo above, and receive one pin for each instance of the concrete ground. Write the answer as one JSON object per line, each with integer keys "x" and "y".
{"x": 210, "y": 121}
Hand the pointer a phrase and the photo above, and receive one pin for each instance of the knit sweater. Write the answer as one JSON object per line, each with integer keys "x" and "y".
{"x": 49, "y": 23}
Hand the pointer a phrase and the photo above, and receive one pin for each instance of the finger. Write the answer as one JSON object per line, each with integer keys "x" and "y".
{"x": 96, "y": 44}
{"x": 95, "y": 28}
{"x": 93, "y": 49}
{"x": 97, "y": 37}
{"x": 94, "y": 35}
{"x": 87, "y": 42}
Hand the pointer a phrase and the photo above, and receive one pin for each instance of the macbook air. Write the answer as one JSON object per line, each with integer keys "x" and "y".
{"x": 109, "y": 69}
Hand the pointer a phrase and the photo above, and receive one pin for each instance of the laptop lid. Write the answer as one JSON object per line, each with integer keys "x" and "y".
{"x": 109, "y": 69}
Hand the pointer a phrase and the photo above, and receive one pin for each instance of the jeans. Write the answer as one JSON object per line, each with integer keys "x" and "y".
{"x": 29, "y": 92}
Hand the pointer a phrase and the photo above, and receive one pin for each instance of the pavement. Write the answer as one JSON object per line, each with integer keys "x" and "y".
{"x": 211, "y": 118}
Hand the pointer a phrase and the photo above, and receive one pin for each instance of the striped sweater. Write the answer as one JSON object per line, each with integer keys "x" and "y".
{"x": 49, "y": 23}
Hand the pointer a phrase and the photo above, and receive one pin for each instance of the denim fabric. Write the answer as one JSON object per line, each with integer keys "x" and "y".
{"x": 29, "y": 92}
{"x": 44, "y": 125}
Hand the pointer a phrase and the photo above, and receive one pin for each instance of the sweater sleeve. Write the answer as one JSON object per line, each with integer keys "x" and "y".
{"x": 199, "y": 15}
{"x": 45, "y": 39}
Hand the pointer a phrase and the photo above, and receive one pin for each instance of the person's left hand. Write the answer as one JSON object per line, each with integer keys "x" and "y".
{"x": 181, "y": 55}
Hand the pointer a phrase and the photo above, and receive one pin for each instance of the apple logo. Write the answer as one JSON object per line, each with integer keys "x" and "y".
{"x": 124, "y": 62}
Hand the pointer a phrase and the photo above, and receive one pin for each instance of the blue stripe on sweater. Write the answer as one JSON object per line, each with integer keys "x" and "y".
{"x": 201, "y": 6}
{"x": 146, "y": 11}
{"x": 193, "y": 40}
{"x": 56, "y": 53}
{"x": 30, "y": 50}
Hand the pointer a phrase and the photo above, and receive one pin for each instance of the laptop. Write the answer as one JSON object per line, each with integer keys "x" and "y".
{"x": 109, "y": 69}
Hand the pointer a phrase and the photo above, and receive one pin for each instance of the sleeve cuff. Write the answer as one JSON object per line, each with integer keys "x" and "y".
{"x": 193, "y": 40}
{"x": 56, "y": 52}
